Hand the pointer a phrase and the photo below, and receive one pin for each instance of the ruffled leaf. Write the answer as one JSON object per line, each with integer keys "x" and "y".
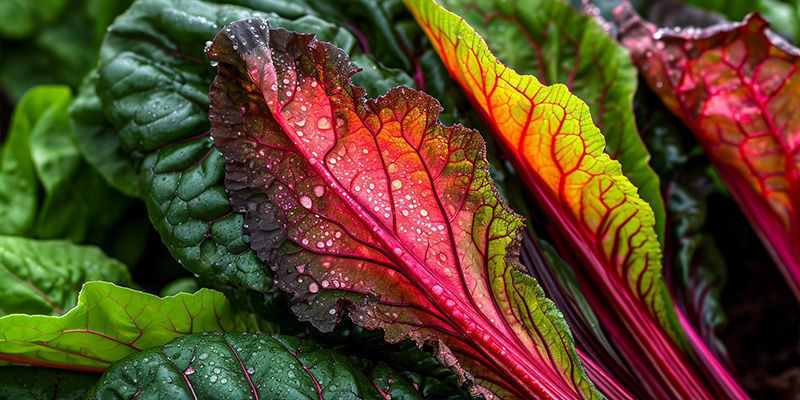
{"x": 372, "y": 206}
{"x": 735, "y": 86}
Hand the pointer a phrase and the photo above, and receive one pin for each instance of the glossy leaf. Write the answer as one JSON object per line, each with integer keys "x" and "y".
{"x": 734, "y": 86}
{"x": 144, "y": 123}
{"x": 44, "y": 383}
{"x": 44, "y": 277}
{"x": 111, "y": 322}
{"x": 372, "y": 206}
{"x": 245, "y": 366}
{"x": 601, "y": 222}
{"x": 557, "y": 44}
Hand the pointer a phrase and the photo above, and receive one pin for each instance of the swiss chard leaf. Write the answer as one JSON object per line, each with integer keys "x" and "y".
{"x": 48, "y": 190}
{"x": 145, "y": 125}
{"x": 44, "y": 277}
{"x": 597, "y": 215}
{"x": 249, "y": 366}
{"x": 734, "y": 86}
{"x": 44, "y": 383}
{"x": 549, "y": 39}
{"x": 110, "y": 322}
{"x": 372, "y": 206}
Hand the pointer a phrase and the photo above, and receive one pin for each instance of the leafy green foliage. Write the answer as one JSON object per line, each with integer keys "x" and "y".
{"x": 46, "y": 188}
{"x": 249, "y": 366}
{"x": 44, "y": 277}
{"x": 110, "y": 322}
{"x": 44, "y": 383}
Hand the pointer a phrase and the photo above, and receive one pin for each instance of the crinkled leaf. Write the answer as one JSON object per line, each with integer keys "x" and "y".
{"x": 249, "y": 366}
{"x": 374, "y": 207}
{"x": 99, "y": 143}
{"x": 44, "y": 383}
{"x": 735, "y": 87}
{"x": 555, "y": 43}
{"x": 595, "y": 211}
{"x": 44, "y": 277}
{"x": 150, "y": 120}
{"x": 110, "y": 322}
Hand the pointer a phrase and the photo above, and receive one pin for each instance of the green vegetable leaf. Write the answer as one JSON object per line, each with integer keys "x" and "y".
{"x": 46, "y": 188}
{"x": 43, "y": 277}
{"x": 18, "y": 187}
{"x": 111, "y": 322}
{"x": 44, "y": 383}
{"x": 249, "y": 366}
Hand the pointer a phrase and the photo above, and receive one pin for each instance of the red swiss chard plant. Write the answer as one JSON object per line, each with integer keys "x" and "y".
{"x": 417, "y": 199}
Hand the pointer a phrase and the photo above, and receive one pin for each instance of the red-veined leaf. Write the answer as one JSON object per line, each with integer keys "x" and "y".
{"x": 735, "y": 86}
{"x": 372, "y": 206}
{"x": 549, "y": 136}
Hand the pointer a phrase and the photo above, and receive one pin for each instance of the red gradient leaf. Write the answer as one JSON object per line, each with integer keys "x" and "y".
{"x": 735, "y": 86}
{"x": 372, "y": 206}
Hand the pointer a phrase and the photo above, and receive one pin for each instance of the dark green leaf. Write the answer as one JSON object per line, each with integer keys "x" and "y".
{"x": 44, "y": 277}
{"x": 44, "y": 383}
{"x": 249, "y": 366}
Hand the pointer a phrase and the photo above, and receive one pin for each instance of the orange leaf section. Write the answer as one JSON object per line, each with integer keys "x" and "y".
{"x": 550, "y": 138}
{"x": 736, "y": 87}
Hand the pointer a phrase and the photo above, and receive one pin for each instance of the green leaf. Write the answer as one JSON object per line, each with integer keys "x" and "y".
{"x": 44, "y": 383}
{"x": 18, "y": 186}
{"x": 43, "y": 277}
{"x": 249, "y": 366}
{"x": 111, "y": 322}
{"x": 555, "y": 43}
{"x": 41, "y": 153}
{"x": 99, "y": 142}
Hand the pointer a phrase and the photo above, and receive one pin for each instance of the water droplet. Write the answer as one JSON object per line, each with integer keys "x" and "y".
{"x": 313, "y": 287}
{"x": 203, "y": 356}
{"x": 324, "y": 123}
{"x": 437, "y": 290}
{"x": 189, "y": 371}
{"x": 213, "y": 378}
{"x": 396, "y": 184}
{"x": 305, "y": 201}
{"x": 332, "y": 311}
{"x": 423, "y": 212}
